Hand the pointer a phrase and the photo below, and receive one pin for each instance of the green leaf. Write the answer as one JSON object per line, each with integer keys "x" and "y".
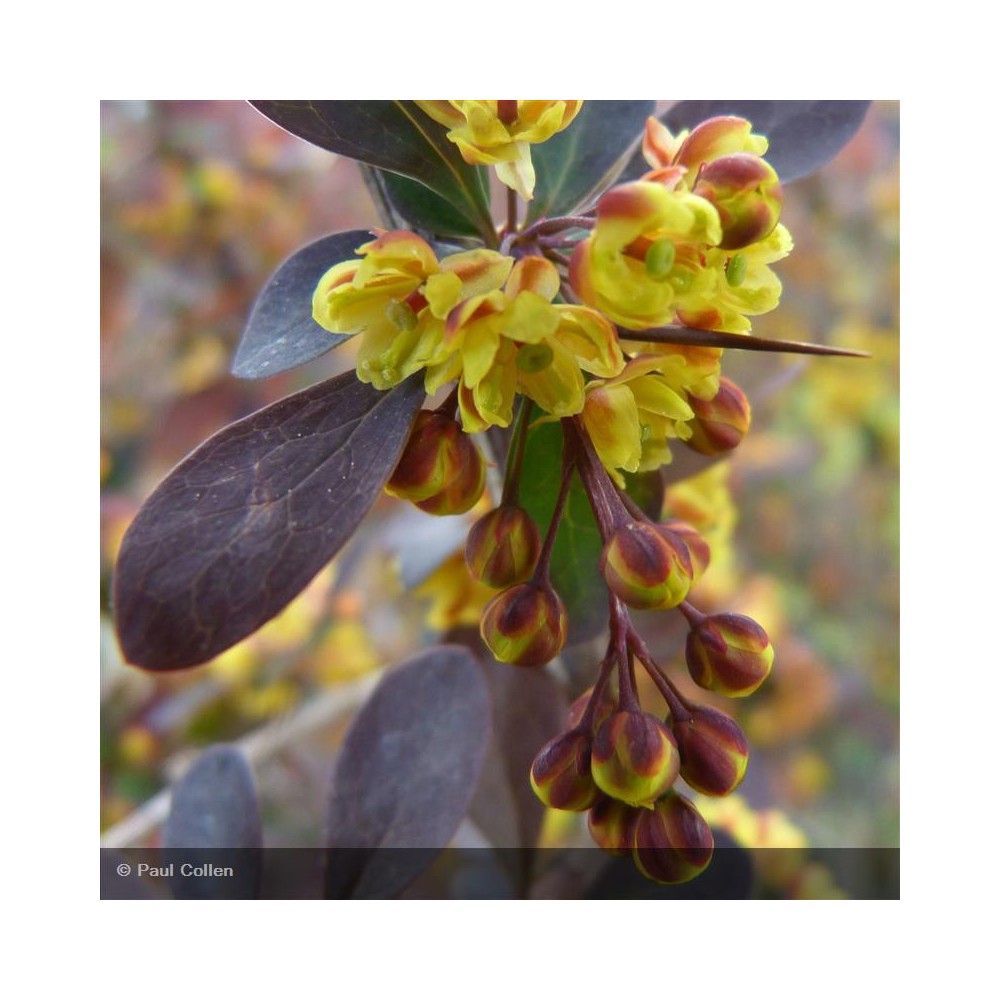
{"x": 578, "y": 543}
{"x": 407, "y": 204}
{"x": 579, "y": 163}
{"x": 395, "y": 136}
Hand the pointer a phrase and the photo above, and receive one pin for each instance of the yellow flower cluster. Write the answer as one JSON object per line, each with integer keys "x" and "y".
{"x": 690, "y": 243}
{"x": 476, "y": 317}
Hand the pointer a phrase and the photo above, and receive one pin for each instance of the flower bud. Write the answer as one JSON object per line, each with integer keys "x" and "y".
{"x": 525, "y": 625}
{"x": 746, "y": 192}
{"x": 721, "y": 422}
{"x": 441, "y": 470}
{"x": 730, "y": 654}
{"x": 645, "y": 567}
{"x": 634, "y": 758}
{"x": 502, "y": 547}
{"x": 673, "y": 843}
{"x": 462, "y": 493}
{"x": 560, "y": 773}
{"x": 697, "y": 547}
{"x": 714, "y": 751}
{"x": 612, "y": 825}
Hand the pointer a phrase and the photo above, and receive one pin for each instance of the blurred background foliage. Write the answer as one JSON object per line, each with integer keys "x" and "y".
{"x": 200, "y": 202}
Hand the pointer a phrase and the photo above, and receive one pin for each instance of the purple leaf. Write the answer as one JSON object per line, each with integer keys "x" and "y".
{"x": 406, "y": 773}
{"x": 214, "y": 823}
{"x": 215, "y": 804}
{"x": 281, "y": 332}
{"x": 529, "y": 709}
{"x": 244, "y": 523}
{"x": 391, "y": 135}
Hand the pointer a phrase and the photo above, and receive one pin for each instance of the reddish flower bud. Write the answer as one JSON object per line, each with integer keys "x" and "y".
{"x": 697, "y": 547}
{"x": 730, "y": 654}
{"x": 634, "y": 758}
{"x": 560, "y": 773}
{"x": 673, "y": 843}
{"x": 612, "y": 825}
{"x": 441, "y": 470}
{"x": 746, "y": 192}
{"x": 645, "y": 567}
{"x": 502, "y": 547}
{"x": 525, "y": 625}
{"x": 720, "y": 423}
{"x": 714, "y": 751}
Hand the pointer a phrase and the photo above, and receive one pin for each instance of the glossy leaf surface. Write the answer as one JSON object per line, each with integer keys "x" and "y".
{"x": 576, "y": 165}
{"x": 390, "y": 135}
{"x": 407, "y": 204}
{"x": 281, "y": 332}
{"x": 243, "y": 524}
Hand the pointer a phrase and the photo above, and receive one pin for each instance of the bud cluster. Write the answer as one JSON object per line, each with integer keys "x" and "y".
{"x": 621, "y": 764}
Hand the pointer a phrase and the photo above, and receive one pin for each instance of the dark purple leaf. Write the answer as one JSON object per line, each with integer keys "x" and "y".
{"x": 406, "y": 773}
{"x": 281, "y": 332}
{"x": 529, "y": 709}
{"x": 214, "y": 823}
{"x": 803, "y": 136}
{"x": 579, "y": 163}
{"x": 215, "y": 804}
{"x": 243, "y": 524}
{"x": 391, "y": 135}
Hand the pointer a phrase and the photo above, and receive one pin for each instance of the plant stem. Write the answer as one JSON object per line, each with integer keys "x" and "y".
{"x": 691, "y": 613}
{"x": 675, "y": 701}
{"x": 569, "y": 464}
{"x": 515, "y": 455}
{"x": 597, "y": 481}
{"x": 511, "y": 211}
{"x": 603, "y": 676}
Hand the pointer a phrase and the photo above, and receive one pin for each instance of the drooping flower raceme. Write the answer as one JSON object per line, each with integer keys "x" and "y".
{"x": 500, "y": 133}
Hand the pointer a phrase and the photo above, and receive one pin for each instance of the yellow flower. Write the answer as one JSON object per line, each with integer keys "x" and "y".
{"x": 395, "y": 299}
{"x": 726, "y": 304}
{"x": 518, "y": 341}
{"x": 645, "y": 256}
{"x": 656, "y": 257}
{"x": 499, "y": 133}
{"x": 630, "y": 418}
